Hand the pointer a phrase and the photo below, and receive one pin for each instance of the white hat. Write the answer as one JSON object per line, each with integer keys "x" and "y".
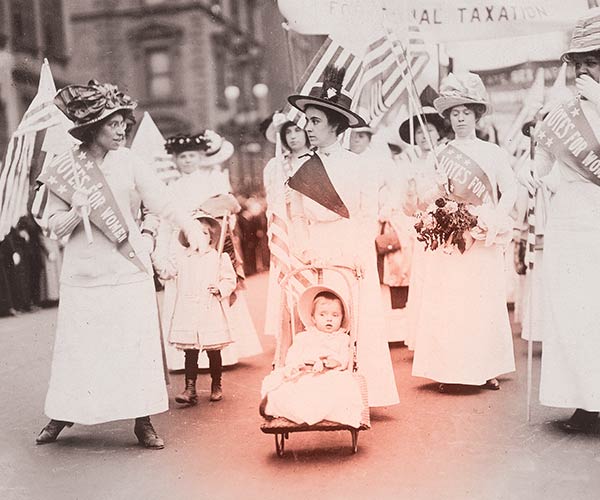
{"x": 305, "y": 305}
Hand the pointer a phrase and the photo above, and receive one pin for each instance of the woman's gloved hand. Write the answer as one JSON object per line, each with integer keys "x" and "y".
{"x": 588, "y": 88}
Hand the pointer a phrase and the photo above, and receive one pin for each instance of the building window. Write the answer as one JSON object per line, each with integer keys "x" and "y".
{"x": 3, "y": 26}
{"x": 53, "y": 28}
{"x": 235, "y": 11}
{"x": 23, "y": 23}
{"x": 160, "y": 73}
{"x": 157, "y": 59}
{"x": 220, "y": 69}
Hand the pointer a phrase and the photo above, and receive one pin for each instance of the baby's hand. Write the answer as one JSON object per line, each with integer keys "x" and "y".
{"x": 332, "y": 363}
{"x": 214, "y": 290}
{"x": 318, "y": 366}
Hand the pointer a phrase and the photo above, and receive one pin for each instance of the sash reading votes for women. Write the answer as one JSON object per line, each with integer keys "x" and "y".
{"x": 468, "y": 181}
{"x": 567, "y": 134}
{"x": 105, "y": 214}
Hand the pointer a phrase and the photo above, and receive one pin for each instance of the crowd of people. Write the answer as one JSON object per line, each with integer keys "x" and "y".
{"x": 338, "y": 207}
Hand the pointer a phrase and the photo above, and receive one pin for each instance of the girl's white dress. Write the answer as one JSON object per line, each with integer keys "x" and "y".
{"x": 336, "y": 240}
{"x": 303, "y": 396}
{"x": 199, "y": 317}
{"x": 463, "y": 333}
{"x": 192, "y": 190}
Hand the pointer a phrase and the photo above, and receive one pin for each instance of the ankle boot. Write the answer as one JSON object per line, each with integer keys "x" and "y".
{"x": 189, "y": 395}
{"x": 146, "y": 435}
{"x": 49, "y": 433}
{"x": 215, "y": 366}
{"x": 581, "y": 421}
{"x": 216, "y": 391}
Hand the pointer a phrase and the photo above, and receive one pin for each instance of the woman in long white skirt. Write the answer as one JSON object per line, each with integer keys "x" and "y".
{"x": 107, "y": 362}
{"x": 463, "y": 331}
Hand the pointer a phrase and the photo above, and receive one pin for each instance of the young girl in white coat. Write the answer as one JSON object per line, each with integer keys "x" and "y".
{"x": 205, "y": 279}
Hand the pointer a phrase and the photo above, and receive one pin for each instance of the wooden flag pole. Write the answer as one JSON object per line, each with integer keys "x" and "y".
{"x": 530, "y": 252}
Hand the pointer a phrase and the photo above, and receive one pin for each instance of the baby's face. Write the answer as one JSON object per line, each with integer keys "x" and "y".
{"x": 328, "y": 315}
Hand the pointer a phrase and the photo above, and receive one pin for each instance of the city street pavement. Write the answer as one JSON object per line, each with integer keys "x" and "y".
{"x": 469, "y": 444}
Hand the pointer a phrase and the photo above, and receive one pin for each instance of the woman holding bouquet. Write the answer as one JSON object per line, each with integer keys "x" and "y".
{"x": 463, "y": 331}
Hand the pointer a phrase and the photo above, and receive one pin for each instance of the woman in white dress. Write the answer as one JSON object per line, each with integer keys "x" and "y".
{"x": 330, "y": 225}
{"x": 463, "y": 332}
{"x": 276, "y": 173}
{"x": 107, "y": 361}
{"x": 570, "y": 375}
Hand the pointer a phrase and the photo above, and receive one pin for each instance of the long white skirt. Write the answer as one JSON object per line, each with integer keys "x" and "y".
{"x": 571, "y": 275}
{"x": 107, "y": 361}
{"x": 463, "y": 333}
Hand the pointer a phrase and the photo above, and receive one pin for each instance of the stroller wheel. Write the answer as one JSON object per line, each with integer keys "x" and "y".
{"x": 354, "y": 433}
{"x": 280, "y": 444}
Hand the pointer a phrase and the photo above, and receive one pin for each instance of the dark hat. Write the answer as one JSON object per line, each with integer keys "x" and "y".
{"x": 87, "y": 104}
{"x": 330, "y": 94}
{"x": 429, "y": 115}
{"x": 216, "y": 149}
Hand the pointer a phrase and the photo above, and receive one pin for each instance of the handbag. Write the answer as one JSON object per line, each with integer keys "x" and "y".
{"x": 387, "y": 241}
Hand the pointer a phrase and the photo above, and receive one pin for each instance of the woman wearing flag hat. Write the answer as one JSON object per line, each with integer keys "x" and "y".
{"x": 570, "y": 376}
{"x": 463, "y": 333}
{"x": 107, "y": 360}
{"x": 332, "y": 225}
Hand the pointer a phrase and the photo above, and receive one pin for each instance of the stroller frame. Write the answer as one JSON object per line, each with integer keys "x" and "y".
{"x": 281, "y": 427}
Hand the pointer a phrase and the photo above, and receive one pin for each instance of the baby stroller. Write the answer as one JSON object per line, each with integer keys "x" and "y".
{"x": 280, "y": 426}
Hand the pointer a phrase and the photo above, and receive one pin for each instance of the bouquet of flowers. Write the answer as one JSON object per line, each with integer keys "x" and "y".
{"x": 444, "y": 223}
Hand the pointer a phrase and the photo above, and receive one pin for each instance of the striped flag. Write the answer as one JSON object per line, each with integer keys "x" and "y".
{"x": 329, "y": 53}
{"x": 25, "y": 157}
{"x": 386, "y": 76}
{"x": 282, "y": 258}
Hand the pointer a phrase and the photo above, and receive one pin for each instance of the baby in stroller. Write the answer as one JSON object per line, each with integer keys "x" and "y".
{"x": 316, "y": 383}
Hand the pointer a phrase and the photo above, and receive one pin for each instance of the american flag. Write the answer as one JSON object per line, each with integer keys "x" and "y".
{"x": 389, "y": 67}
{"x": 282, "y": 258}
{"x": 329, "y": 53}
{"x": 25, "y": 157}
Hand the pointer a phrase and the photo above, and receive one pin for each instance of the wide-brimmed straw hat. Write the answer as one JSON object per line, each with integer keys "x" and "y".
{"x": 305, "y": 305}
{"x": 586, "y": 35}
{"x": 330, "y": 94}
{"x": 460, "y": 89}
{"x": 429, "y": 115}
{"x": 88, "y": 104}
{"x": 214, "y": 227}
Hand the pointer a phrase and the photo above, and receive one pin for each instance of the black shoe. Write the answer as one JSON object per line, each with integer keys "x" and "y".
{"x": 442, "y": 388}
{"x": 216, "y": 391}
{"x": 49, "y": 433}
{"x": 492, "y": 385}
{"x": 146, "y": 435}
{"x": 581, "y": 421}
{"x": 189, "y": 395}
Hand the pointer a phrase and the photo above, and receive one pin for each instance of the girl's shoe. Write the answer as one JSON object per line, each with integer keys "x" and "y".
{"x": 189, "y": 395}
{"x": 216, "y": 391}
{"x": 49, "y": 433}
